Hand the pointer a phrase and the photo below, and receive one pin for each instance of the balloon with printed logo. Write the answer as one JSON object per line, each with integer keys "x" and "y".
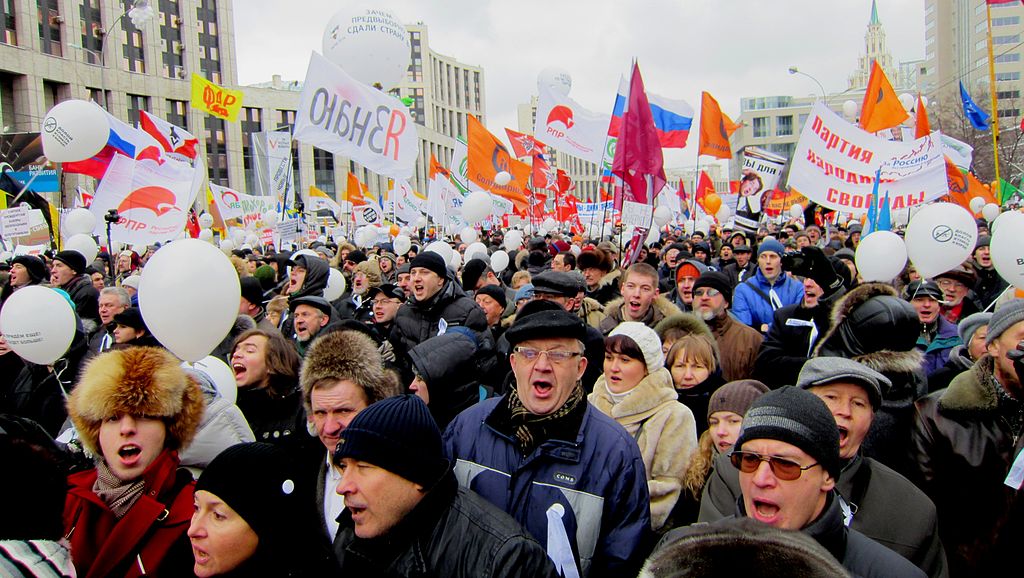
{"x": 78, "y": 221}
{"x": 557, "y": 79}
{"x": 499, "y": 261}
{"x": 205, "y": 220}
{"x": 402, "y": 244}
{"x": 881, "y": 256}
{"x": 370, "y": 43}
{"x": 1007, "y": 247}
{"x": 712, "y": 202}
{"x": 84, "y": 244}
{"x": 335, "y": 285}
{"x": 74, "y": 130}
{"x": 185, "y": 281}
{"x": 38, "y": 324}
{"x": 939, "y": 237}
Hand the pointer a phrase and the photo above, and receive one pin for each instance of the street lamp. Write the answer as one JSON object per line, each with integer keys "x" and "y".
{"x": 139, "y": 12}
{"x": 794, "y": 70}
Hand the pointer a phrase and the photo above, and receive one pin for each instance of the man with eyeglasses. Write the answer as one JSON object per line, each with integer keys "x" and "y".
{"x": 956, "y": 285}
{"x": 569, "y": 474}
{"x": 789, "y": 462}
{"x": 737, "y": 343}
{"x": 385, "y": 301}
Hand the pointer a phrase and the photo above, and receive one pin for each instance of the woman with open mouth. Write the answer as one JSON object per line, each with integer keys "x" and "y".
{"x": 133, "y": 410}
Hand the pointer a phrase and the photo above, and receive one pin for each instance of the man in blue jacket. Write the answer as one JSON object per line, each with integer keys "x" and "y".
{"x": 569, "y": 474}
{"x": 755, "y": 300}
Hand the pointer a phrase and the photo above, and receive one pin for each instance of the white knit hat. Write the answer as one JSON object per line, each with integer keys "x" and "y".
{"x": 646, "y": 339}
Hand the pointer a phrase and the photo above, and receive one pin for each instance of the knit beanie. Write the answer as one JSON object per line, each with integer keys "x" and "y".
{"x": 356, "y": 256}
{"x": 1004, "y": 317}
{"x": 771, "y": 245}
{"x": 258, "y": 481}
{"x": 432, "y": 262}
{"x": 736, "y": 396}
{"x": 399, "y": 435}
{"x": 34, "y": 265}
{"x": 646, "y": 339}
{"x": 73, "y": 259}
{"x": 715, "y": 280}
{"x": 494, "y": 292}
{"x": 798, "y": 417}
{"x": 971, "y": 324}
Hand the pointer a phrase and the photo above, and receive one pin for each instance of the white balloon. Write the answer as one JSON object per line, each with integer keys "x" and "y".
{"x": 227, "y": 245}
{"x": 476, "y": 250}
{"x": 556, "y": 79}
{"x": 796, "y": 211}
{"x": 78, "y": 221}
{"x": 939, "y": 237}
{"x": 499, "y": 261}
{"x": 1007, "y": 247}
{"x": 187, "y": 281}
{"x": 237, "y": 235}
{"x": 907, "y": 100}
{"x": 38, "y": 324}
{"x": 652, "y": 236}
{"x": 84, "y": 244}
{"x": 252, "y": 239}
{"x": 990, "y": 211}
{"x": 220, "y": 374}
{"x": 550, "y": 224}
{"x": 270, "y": 218}
{"x": 335, "y": 285}
{"x": 205, "y": 220}
{"x": 575, "y": 250}
{"x": 662, "y": 216}
{"x": 206, "y": 235}
{"x": 850, "y": 109}
{"x": 881, "y": 256}
{"x": 74, "y": 130}
{"x": 441, "y": 248}
{"x": 370, "y": 43}
{"x": 455, "y": 261}
{"x": 477, "y": 207}
{"x": 723, "y": 213}
{"x": 502, "y": 178}
{"x": 513, "y": 243}
{"x": 468, "y": 235}
{"x": 365, "y": 236}
{"x": 977, "y": 204}
{"x": 421, "y": 222}
{"x": 402, "y": 244}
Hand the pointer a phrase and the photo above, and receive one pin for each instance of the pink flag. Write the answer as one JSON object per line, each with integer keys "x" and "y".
{"x": 638, "y": 159}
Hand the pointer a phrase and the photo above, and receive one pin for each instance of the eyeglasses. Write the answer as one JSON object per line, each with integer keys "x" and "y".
{"x": 786, "y": 470}
{"x": 709, "y": 292}
{"x": 950, "y": 284}
{"x": 383, "y": 301}
{"x": 553, "y": 355}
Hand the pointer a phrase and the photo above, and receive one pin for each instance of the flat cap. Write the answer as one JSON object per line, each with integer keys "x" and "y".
{"x": 557, "y": 283}
{"x": 825, "y": 370}
{"x": 313, "y": 301}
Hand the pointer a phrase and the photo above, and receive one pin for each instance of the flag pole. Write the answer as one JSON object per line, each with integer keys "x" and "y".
{"x": 995, "y": 104}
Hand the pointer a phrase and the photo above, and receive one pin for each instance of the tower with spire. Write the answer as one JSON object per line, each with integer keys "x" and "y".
{"x": 874, "y": 49}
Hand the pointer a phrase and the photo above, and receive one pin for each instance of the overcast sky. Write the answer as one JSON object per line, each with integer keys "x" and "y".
{"x": 731, "y": 48}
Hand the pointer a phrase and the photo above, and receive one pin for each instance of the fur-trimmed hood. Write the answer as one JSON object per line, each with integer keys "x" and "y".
{"x": 973, "y": 391}
{"x": 138, "y": 381}
{"x": 613, "y": 309}
{"x": 688, "y": 323}
{"x": 347, "y": 355}
{"x": 890, "y": 324}
{"x": 608, "y": 279}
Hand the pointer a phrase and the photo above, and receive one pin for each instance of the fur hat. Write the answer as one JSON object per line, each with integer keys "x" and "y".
{"x": 371, "y": 269}
{"x": 136, "y": 381}
{"x": 346, "y": 355}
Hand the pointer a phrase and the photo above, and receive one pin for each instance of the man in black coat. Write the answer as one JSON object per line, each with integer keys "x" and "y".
{"x": 404, "y": 512}
{"x": 68, "y": 273}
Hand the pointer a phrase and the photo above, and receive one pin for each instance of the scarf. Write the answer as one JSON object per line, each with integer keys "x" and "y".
{"x": 116, "y": 493}
{"x": 531, "y": 429}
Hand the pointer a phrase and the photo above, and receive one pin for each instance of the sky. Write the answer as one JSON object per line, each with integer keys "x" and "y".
{"x": 731, "y": 48}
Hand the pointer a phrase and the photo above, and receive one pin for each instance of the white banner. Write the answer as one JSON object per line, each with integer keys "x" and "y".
{"x": 279, "y": 162}
{"x": 441, "y": 189}
{"x": 252, "y": 208}
{"x": 566, "y": 126}
{"x": 339, "y": 114}
{"x": 768, "y": 167}
{"x": 368, "y": 214}
{"x": 151, "y": 199}
{"x": 591, "y": 211}
{"x": 835, "y": 162}
{"x": 227, "y": 202}
{"x": 408, "y": 206}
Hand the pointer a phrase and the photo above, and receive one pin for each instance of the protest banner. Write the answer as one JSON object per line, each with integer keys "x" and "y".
{"x": 215, "y": 100}
{"x": 151, "y": 199}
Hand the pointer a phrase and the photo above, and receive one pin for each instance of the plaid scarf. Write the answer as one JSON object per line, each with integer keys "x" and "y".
{"x": 117, "y": 494}
{"x": 531, "y": 429}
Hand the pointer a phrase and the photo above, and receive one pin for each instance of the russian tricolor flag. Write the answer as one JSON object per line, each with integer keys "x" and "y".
{"x": 123, "y": 139}
{"x": 672, "y": 118}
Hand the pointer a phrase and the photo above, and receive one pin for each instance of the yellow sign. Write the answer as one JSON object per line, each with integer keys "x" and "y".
{"x": 215, "y": 100}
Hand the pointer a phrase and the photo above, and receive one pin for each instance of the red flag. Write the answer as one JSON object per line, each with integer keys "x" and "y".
{"x": 704, "y": 188}
{"x": 544, "y": 177}
{"x": 524, "y": 145}
{"x": 923, "y": 126}
{"x": 564, "y": 183}
{"x": 638, "y": 159}
{"x": 192, "y": 224}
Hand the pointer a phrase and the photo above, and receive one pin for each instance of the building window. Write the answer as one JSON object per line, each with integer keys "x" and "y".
{"x": 1009, "y": 113}
{"x": 177, "y": 113}
{"x": 136, "y": 103}
{"x": 134, "y": 54}
{"x": 91, "y": 24}
{"x": 10, "y": 31}
{"x": 251, "y": 123}
{"x": 784, "y": 126}
{"x": 209, "y": 48}
{"x": 760, "y": 126}
{"x": 1007, "y": 94}
{"x": 49, "y": 26}
{"x": 172, "y": 56}
{"x": 1008, "y": 57}
{"x": 99, "y": 97}
{"x": 1009, "y": 39}
{"x": 1006, "y": 21}
{"x": 216, "y": 150}
{"x": 323, "y": 171}
{"x": 1005, "y": 76}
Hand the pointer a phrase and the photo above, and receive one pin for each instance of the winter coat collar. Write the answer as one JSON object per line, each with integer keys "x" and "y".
{"x": 973, "y": 391}
{"x": 651, "y": 395}
{"x": 660, "y": 308}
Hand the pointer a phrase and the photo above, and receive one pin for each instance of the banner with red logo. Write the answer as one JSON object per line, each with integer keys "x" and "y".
{"x": 570, "y": 128}
{"x": 151, "y": 199}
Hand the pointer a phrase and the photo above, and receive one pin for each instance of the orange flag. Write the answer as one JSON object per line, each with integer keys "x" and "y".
{"x": 435, "y": 168}
{"x": 487, "y": 157}
{"x": 881, "y": 108}
{"x": 924, "y": 128}
{"x": 715, "y": 129}
{"x": 354, "y": 191}
{"x": 964, "y": 187}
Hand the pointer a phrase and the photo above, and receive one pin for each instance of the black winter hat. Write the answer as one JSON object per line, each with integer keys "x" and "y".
{"x": 797, "y": 417}
{"x": 546, "y": 325}
{"x": 882, "y": 322}
{"x": 356, "y": 256}
{"x": 399, "y": 435}
{"x": 260, "y": 482}
{"x": 715, "y": 280}
{"x": 73, "y": 259}
{"x": 471, "y": 273}
{"x": 34, "y": 265}
{"x": 131, "y": 317}
{"x": 252, "y": 290}
{"x": 432, "y": 262}
{"x": 494, "y": 292}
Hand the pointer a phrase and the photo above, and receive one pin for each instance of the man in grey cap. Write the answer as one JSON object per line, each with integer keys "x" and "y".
{"x": 963, "y": 445}
{"x": 876, "y": 501}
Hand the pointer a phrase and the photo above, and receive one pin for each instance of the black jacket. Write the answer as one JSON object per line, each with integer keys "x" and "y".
{"x": 733, "y": 271}
{"x": 990, "y": 285}
{"x": 446, "y": 364}
{"x": 86, "y": 299}
{"x": 274, "y": 418}
{"x": 453, "y": 533}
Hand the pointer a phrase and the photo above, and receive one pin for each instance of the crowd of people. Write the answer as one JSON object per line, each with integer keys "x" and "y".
{"x": 729, "y": 402}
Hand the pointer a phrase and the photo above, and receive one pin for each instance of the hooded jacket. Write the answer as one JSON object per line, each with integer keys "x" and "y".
{"x": 660, "y": 308}
{"x": 873, "y": 326}
{"x": 317, "y": 273}
{"x": 750, "y": 307}
{"x": 663, "y": 429}
{"x": 445, "y": 363}
{"x": 607, "y": 288}
{"x": 962, "y": 448}
{"x": 936, "y": 350}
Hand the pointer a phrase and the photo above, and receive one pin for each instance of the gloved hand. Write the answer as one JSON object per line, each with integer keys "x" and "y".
{"x": 818, "y": 268}
{"x": 1017, "y": 357}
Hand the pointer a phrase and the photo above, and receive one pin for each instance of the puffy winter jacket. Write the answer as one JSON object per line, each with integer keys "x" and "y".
{"x": 751, "y": 307}
{"x": 592, "y": 489}
{"x": 936, "y": 351}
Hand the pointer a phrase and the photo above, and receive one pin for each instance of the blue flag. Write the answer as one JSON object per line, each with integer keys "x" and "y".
{"x": 871, "y": 222}
{"x": 978, "y": 117}
{"x": 885, "y": 216}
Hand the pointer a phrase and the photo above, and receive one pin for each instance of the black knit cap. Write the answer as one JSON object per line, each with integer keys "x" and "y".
{"x": 432, "y": 262}
{"x": 551, "y": 324}
{"x": 131, "y": 317}
{"x": 715, "y": 280}
{"x": 73, "y": 259}
{"x": 494, "y": 292}
{"x": 261, "y": 483}
{"x": 356, "y": 256}
{"x": 252, "y": 290}
{"x": 797, "y": 417}
{"x": 34, "y": 265}
{"x": 399, "y": 435}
